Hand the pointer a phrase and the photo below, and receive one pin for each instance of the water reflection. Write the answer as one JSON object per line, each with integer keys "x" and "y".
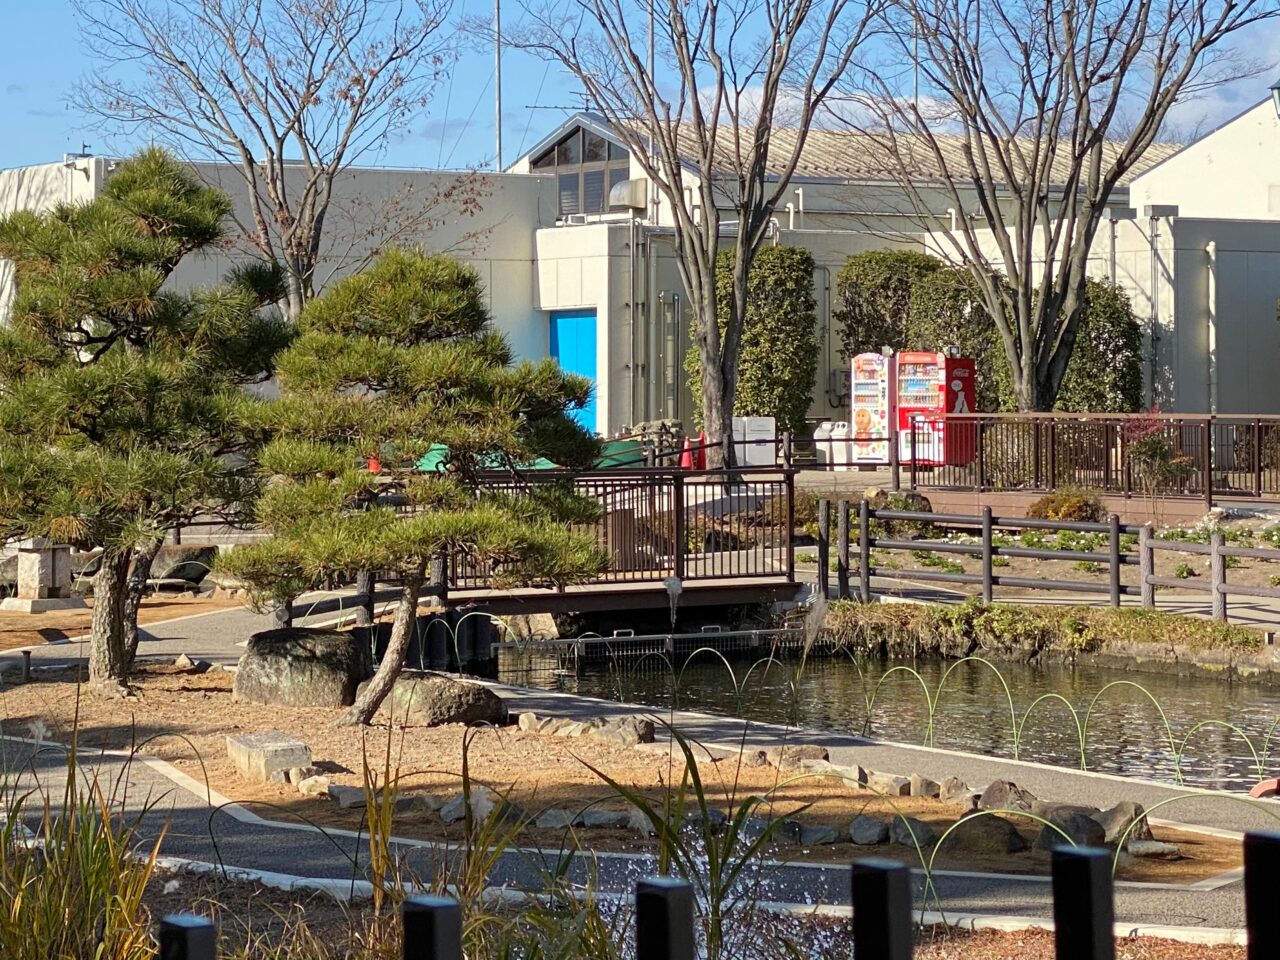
{"x": 1125, "y": 734}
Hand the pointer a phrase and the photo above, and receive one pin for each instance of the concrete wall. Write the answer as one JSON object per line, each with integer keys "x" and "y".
{"x": 1229, "y": 174}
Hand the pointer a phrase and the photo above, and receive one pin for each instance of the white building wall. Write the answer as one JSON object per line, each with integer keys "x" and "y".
{"x": 1229, "y": 174}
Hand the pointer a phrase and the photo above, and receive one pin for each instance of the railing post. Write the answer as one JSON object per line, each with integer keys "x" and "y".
{"x": 1037, "y": 454}
{"x": 1083, "y": 909}
{"x": 786, "y": 449}
{"x": 824, "y": 547}
{"x": 789, "y": 536}
{"x": 981, "y": 455}
{"x": 664, "y": 919}
{"x": 1147, "y": 566}
{"x": 1257, "y": 456}
{"x": 432, "y": 928}
{"x": 881, "y": 895}
{"x": 677, "y": 508}
{"x": 895, "y": 465}
{"x": 988, "y": 552}
{"x": 911, "y": 436}
{"x": 1207, "y": 428}
{"x": 1114, "y": 534}
{"x": 1218, "y": 576}
{"x": 1053, "y": 454}
{"x": 184, "y": 937}
{"x": 1107, "y": 445}
{"x": 842, "y": 550}
{"x": 1261, "y": 918}
{"x": 864, "y": 551}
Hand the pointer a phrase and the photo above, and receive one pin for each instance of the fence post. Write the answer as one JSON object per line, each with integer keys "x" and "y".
{"x": 864, "y": 551}
{"x": 789, "y": 543}
{"x": 432, "y": 928}
{"x": 1083, "y": 910}
{"x": 1147, "y": 566}
{"x": 1257, "y": 457}
{"x": 881, "y": 895}
{"x": 184, "y": 937}
{"x": 786, "y": 449}
{"x": 982, "y": 460}
{"x": 664, "y": 919}
{"x": 987, "y": 553}
{"x": 1053, "y": 454}
{"x": 824, "y": 547}
{"x": 1114, "y": 533}
{"x": 911, "y": 437}
{"x": 1218, "y": 576}
{"x": 1261, "y": 918}
{"x": 895, "y": 466}
{"x": 842, "y": 550}
{"x": 677, "y": 508}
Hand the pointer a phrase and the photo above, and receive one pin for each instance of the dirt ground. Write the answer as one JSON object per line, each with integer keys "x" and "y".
{"x": 26, "y": 629}
{"x": 539, "y": 771}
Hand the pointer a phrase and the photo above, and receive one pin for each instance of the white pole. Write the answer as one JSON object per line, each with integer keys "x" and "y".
{"x": 497, "y": 82}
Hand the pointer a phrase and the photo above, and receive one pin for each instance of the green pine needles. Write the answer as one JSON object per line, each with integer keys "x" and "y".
{"x": 391, "y": 366}
{"x": 122, "y": 409}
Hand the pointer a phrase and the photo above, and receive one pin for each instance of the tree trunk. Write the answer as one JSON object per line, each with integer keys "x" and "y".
{"x": 364, "y": 585}
{"x": 108, "y": 663}
{"x": 135, "y": 586}
{"x": 376, "y": 690}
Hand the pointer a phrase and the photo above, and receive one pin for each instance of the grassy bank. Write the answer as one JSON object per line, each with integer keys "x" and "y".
{"x": 1023, "y": 632}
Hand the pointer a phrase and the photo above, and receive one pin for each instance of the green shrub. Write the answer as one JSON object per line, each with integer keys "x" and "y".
{"x": 947, "y": 309}
{"x": 1068, "y": 503}
{"x": 872, "y": 298}
{"x": 779, "y": 356}
{"x": 1183, "y": 571}
{"x": 1105, "y": 372}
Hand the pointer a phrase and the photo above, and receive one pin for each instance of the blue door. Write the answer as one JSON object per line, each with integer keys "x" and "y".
{"x": 573, "y": 345}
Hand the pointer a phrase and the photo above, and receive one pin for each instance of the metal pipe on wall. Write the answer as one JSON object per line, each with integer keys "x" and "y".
{"x": 1212, "y": 353}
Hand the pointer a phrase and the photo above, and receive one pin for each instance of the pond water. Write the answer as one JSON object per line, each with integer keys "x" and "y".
{"x": 1125, "y": 733}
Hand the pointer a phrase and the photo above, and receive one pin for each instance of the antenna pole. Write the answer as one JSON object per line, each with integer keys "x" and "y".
{"x": 497, "y": 82}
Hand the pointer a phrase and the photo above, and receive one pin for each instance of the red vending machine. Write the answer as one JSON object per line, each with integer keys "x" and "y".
{"x": 871, "y": 401}
{"x": 929, "y": 386}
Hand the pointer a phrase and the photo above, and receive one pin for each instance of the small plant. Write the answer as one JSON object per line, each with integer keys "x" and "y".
{"x": 1231, "y": 563}
{"x": 1069, "y": 503}
{"x": 999, "y": 561}
{"x": 1274, "y": 580}
{"x": 1087, "y": 566}
{"x": 1184, "y": 570}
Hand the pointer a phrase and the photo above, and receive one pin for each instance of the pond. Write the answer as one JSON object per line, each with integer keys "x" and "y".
{"x": 1125, "y": 732}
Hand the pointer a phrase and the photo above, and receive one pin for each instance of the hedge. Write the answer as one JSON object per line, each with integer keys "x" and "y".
{"x": 778, "y": 362}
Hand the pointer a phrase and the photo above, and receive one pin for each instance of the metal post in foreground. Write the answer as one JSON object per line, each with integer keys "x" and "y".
{"x": 1083, "y": 908}
{"x": 864, "y": 551}
{"x": 432, "y": 928}
{"x": 842, "y": 550}
{"x": 824, "y": 548}
{"x": 664, "y": 919}
{"x": 988, "y": 555}
{"x": 1114, "y": 534}
{"x": 1218, "y": 576}
{"x": 881, "y": 894}
{"x": 184, "y": 937}
{"x": 1261, "y": 918}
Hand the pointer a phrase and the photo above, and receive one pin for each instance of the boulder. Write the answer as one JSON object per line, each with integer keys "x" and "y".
{"x": 715, "y": 818}
{"x": 818, "y": 835}
{"x": 910, "y": 832}
{"x": 1082, "y": 829}
{"x": 183, "y": 662}
{"x": 985, "y": 834}
{"x": 955, "y": 790}
{"x": 348, "y": 798}
{"x": 1048, "y": 810}
{"x": 888, "y": 785}
{"x": 424, "y": 699}
{"x": 924, "y": 787}
{"x": 484, "y": 801}
{"x": 791, "y": 754}
{"x": 603, "y": 819}
{"x": 528, "y": 722}
{"x": 554, "y": 819}
{"x": 867, "y": 831}
{"x": 1119, "y": 818}
{"x": 786, "y": 831}
{"x": 627, "y": 731}
{"x": 1006, "y": 795}
{"x": 187, "y": 561}
{"x": 314, "y": 787}
{"x": 1154, "y": 849}
{"x": 267, "y": 757}
{"x": 299, "y": 667}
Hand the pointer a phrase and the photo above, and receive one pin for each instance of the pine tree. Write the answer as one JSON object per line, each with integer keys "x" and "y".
{"x": 122, "y": 408}
{"x": 387, "y": 364}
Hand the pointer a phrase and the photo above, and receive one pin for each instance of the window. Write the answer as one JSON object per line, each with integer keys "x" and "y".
{"x": 587, "y": 167}
{"x": 618, "y": 175}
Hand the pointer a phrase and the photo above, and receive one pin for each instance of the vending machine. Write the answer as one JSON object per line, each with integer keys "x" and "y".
{"x": 929, "y": 386}
{"x": 871, "y": 407}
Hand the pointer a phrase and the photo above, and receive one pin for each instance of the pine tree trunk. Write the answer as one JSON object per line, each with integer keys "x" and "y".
{"x": 108, "y": 664}
{"x": 136, "y": 585}
{"x": 376, "y": 690}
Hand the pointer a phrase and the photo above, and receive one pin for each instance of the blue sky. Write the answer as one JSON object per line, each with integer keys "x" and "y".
{"x": 41, "y": 59}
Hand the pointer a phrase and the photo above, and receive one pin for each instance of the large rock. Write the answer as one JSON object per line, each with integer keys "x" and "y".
{"x": 267, "y": 757}
{"x": 955, "y": 790}
{"x": 791, "y": 754}
{"x": 910, "y": 832}
{"x": 986, "y": 835}
{"x": 867, "y": 831}
{"x": 924, "y": 787}
{"x": 187, "y": 561}
{"x": 1120, "y": 818}
{"x": 1006, "y": 795}
{"x": 432, "y": 699}
{"x": 298, "y": 667}
{"x": 1080, "y": 829}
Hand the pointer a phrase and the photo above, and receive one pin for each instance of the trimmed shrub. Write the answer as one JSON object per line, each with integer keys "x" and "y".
{"x": 1105, "y": 372}
{"x": 1068, "y": 503}
{"x": 779, "y": 358}
{"x": 947, "y": 309}
{"x": 873, "y": 298}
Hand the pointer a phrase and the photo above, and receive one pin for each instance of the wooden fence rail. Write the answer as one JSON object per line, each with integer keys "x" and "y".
{"x": 986, "y": 527}
{"x": 882, "y": 912}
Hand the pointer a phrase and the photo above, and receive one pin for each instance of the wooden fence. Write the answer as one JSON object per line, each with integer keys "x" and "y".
{"x": 985, "y": 527}
{"x": 883, "y": 918}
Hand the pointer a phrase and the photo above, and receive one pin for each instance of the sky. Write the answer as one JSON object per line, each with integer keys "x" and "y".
{"x": 41, "y": 59}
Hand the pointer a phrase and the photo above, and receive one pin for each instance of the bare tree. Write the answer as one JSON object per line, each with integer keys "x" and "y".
{"x": 1025, "y": 115}
{"x": 717, "y": 118}
{"x": 290, "y": 92}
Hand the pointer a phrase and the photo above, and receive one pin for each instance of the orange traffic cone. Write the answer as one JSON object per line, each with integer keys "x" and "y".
{"x": 702, "y": 450}
{"x": 686, "y": 455}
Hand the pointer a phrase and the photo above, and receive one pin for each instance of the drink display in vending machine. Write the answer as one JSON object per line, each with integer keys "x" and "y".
{"x": 929, "y": 386}
{"x": 871, "y": 393}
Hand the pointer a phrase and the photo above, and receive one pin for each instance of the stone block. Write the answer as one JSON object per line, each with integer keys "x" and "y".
{"x": 267, "y": 757}
{"x": 603, "y": 819}
{"x": 790, "y": 755}
{"x": 1120, "y": 818}
{"x": 554, "y": 819}
{"x": 1154, "y": 849}
{"x": 1006, "y": 795}
{"x": 924, "y": 787}
{"x": 818, "y": 835}
{"x": 987, "y": 835}
{"x": 348, "y": 798}
{"x": 955, "y": 790}
{"x": 910, "y": 832}
{"x": 888, "y": 785}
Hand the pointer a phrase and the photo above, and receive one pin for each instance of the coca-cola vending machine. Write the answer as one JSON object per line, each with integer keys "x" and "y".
{"x": 929, "y": 386}
{"x": 871, "y": 392}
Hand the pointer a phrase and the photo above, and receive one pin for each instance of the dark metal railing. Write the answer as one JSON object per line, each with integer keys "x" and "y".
{"x": 666, "y": 913}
